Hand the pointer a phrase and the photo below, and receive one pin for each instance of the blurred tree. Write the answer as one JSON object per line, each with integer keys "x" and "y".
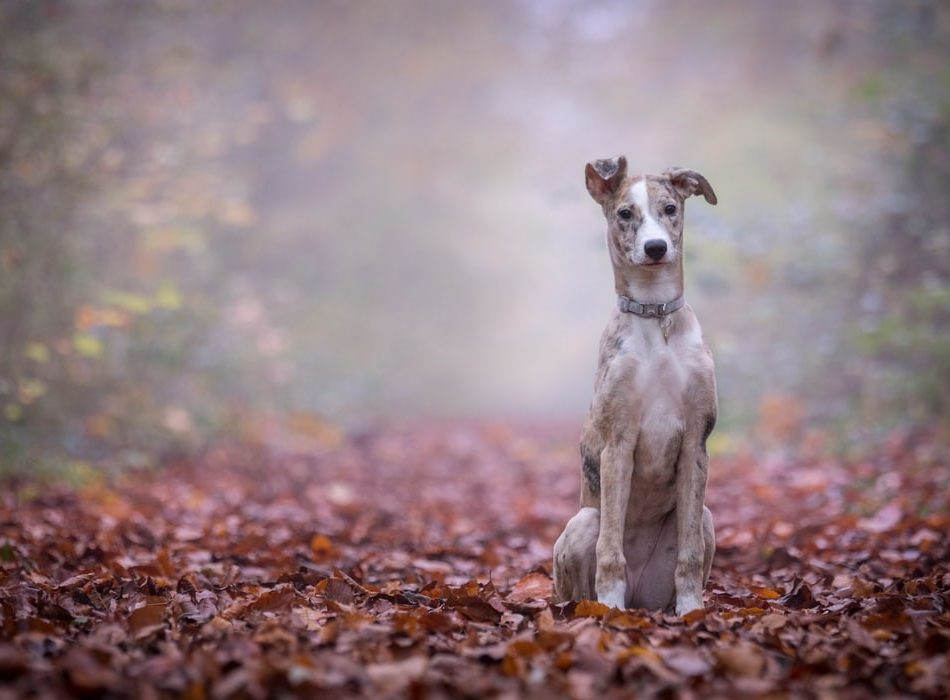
{"x": 902, "y": 292}
{"x": 41, "y": 179}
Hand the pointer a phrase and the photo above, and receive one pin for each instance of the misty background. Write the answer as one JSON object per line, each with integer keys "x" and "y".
{"x": 281, "y": 221}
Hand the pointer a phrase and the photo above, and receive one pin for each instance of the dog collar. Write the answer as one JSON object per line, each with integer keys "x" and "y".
{"x": 629, "y": 306}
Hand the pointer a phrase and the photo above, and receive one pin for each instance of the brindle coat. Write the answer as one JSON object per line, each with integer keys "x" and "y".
{"x": 643, "y": 537}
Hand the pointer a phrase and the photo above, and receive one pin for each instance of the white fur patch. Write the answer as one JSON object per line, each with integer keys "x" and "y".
{"x": 650, "y": 229}
{"x": 614, "y": 598}
{"x": 687, "y": 603}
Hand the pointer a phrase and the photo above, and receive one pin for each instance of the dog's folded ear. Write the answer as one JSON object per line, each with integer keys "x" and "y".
{"x": 689, "y": 182}
{"x": 604, "y": 177}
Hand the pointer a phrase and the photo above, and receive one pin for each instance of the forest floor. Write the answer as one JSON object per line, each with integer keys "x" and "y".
{"x": 416, "y": 562}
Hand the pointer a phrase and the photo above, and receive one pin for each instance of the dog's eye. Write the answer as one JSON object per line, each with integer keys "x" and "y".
{"x": 670, "y": 209}
{"x": 625, "y": 214}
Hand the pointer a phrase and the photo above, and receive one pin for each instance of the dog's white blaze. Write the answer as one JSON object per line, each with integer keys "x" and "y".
{"x": 650, "y": 229}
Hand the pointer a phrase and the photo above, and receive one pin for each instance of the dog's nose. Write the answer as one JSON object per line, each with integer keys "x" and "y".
{"x": 656, "y": 249}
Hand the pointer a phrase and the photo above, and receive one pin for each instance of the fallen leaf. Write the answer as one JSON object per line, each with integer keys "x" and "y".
{"x": 591, "y": 608}
{"x": 533, "y": 585}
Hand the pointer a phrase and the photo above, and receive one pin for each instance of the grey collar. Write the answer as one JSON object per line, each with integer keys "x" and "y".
{"x": 629, "y": 306}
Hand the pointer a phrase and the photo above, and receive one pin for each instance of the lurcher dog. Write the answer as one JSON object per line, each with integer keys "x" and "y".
{"x": 643, "y": 537}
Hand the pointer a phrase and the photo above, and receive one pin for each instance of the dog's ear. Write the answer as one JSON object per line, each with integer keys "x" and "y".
{"x": 604, "y": 177}
{"x": 689, "y": 182}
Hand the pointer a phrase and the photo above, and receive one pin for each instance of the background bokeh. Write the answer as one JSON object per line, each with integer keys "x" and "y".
{"x": 275, "y": 221}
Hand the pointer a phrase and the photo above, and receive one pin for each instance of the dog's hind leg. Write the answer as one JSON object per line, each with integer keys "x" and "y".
{"x": 575, "y": 558}
{"x": 709, "y": 538}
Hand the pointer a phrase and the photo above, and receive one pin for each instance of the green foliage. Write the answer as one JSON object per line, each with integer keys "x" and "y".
{"x": 900, "y": 330}
{"x": 910, "y": 354}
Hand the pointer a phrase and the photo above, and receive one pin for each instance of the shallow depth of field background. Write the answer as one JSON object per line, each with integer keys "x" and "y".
{"x": 280, "y": 221}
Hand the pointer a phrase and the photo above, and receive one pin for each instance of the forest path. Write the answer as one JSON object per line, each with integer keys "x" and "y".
{"x": 416, "y": 561}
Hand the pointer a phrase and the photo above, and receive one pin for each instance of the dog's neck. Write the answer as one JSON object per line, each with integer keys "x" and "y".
{"x": 650, "y": 285}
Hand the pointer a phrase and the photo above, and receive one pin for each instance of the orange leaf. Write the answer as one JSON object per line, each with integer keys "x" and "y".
{"x": 765, "y": 592}
{"x": 623, "y": 620}
{"x": 694, "y": 616}
{"x": 322, "y": 547}
{"x": 590, "y": 608}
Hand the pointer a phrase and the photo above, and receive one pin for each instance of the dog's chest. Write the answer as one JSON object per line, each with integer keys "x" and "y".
{"x": 655, "y": 373}
{"x": 654, "y": 377}
{"x": 658, "y": 389}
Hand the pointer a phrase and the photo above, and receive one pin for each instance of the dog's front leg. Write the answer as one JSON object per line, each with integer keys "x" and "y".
{"x": 691, "y": 547}
{"x": 616, "y": 470}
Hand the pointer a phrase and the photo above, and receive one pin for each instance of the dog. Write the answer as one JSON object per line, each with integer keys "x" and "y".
{"x": 643, "y": 537}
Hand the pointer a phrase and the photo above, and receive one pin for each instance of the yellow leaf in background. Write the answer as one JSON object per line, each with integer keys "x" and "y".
{"x": 13, "y": 412}
{"x": 758, "y": 273}
{"x": 236, "y": 213}
{"x": 81, "y": 473}
{"x": 99, "y": 425}
{"x": 164, "y": 240}
{"x": 134, "y": 303}
{"x": 315, "y": 427}
{"x": 168, "y": 297}
{"x": 85, "y": 317}
{"x": 719, "y": 444}
{"x": 300, "y": 108}
{"x": 89, "y": 316}
{"x": 780, "y": 417}
{"x": 37, "y": 352}
{"x": 87, "y": 345}
{"x": 177, "y": 419}
{"x": 113, "y": 317}
{"x": 30, "y": 390}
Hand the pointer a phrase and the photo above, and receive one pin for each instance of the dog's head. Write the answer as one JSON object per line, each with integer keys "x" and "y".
{"x": 644, "y": 213}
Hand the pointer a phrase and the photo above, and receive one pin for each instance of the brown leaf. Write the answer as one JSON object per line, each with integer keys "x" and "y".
{"x": 525, "y": 648}
{"x": 277, "y": 599}
{"x": 623, "y": 620}
{"x": 147, "y": 617}
{"x": 338, "y": 591}
{"x": 646, "y": 657}
{"x": 686, "y": 662}
{"x": 773, "y": 621}
{"x": 533, "y": 585}
{"x": 800, "y": 596}
{"x": 13, "y": 661}
{"x": 477, "y": 609}
{"x": 86, "y": 673}
{"x": 741, "y": 659}
{"x": 396, "y": 676}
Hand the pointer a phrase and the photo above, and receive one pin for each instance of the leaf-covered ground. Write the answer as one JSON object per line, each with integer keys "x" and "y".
{"x": 417, "y": 562}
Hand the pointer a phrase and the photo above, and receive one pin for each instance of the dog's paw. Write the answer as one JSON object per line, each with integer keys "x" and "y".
{"x": 687, "y": 604}
{"x": 614, "y": 596}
